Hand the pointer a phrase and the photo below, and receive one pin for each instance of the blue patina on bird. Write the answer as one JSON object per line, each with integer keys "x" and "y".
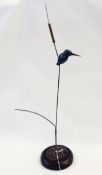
{"x": 63, "y": 57}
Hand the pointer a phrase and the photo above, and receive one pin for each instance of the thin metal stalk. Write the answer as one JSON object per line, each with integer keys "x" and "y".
{"x": 56, "y": 124}
{"x": 54, "y": 43}
{"x": 37, "y": 114}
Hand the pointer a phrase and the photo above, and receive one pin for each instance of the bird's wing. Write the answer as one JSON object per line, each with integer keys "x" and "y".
{"x": 62, "y": 56}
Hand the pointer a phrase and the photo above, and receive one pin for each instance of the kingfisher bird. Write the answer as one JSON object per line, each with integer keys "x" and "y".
{"x": 63, "y": 57}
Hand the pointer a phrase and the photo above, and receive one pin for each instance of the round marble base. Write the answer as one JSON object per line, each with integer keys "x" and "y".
{"x": 56, "y": 157}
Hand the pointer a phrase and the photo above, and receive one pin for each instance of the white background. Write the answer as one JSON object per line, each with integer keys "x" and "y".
{"x": 28, "y": 80}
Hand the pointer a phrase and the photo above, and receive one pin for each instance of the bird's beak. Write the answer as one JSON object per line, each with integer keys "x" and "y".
{"x": 76, "y": 55}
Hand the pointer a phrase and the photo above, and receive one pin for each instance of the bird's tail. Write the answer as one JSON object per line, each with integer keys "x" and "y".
{"x": 57, "y": 64}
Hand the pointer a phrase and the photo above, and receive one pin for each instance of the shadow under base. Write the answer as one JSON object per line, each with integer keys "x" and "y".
{"x": 56, "y": 157}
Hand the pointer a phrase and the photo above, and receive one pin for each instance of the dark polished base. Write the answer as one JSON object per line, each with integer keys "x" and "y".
{"x": 56, "y": 157}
